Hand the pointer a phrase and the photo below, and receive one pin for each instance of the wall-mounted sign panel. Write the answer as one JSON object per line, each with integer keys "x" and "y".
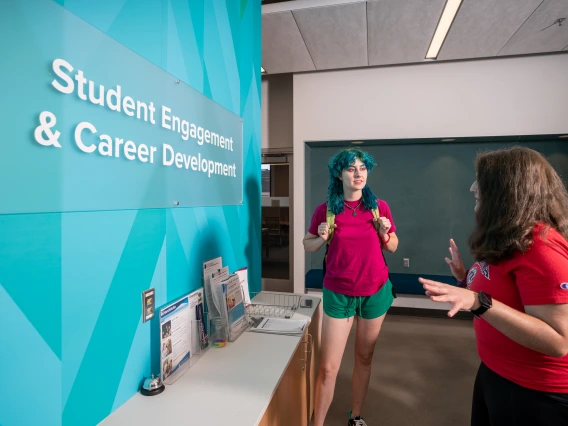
{"x": 87, "y": 124}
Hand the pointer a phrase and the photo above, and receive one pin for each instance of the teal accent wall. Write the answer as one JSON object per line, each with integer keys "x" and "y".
{"x": 72, "y": 344}
{"x": 427, "y": 189}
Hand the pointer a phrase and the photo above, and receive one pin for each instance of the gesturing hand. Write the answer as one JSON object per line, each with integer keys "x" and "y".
{"x": 384, "y": 225}
{"x": 456, "y": 263}
{"x": 460, "y": 298}
{"x": 323, "y": 230}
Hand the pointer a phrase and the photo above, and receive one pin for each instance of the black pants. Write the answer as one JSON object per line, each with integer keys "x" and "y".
{"x": 500, "y": 402}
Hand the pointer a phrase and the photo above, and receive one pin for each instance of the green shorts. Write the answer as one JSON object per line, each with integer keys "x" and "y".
{"x": 338, "y": 305}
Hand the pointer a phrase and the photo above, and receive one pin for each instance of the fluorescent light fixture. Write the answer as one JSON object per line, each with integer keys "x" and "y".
{"x": 357, "y": 143}
{"x": 262, "y": 70}
{"x": 448, "y": 140}
{"x": 563, "y": 137}
{"x": 448, "y": 15}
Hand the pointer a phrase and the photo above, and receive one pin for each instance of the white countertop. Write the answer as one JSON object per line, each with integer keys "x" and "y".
{"x": 231, "y": 385}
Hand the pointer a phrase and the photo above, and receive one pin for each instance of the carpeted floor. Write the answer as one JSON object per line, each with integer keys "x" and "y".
{"x": 423, "y": 374}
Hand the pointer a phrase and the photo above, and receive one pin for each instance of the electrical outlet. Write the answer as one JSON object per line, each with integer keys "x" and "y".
{"x": 406, "y": 262}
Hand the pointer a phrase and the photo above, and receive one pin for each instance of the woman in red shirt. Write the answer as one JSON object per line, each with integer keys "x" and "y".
{"x": 517, "y": 290}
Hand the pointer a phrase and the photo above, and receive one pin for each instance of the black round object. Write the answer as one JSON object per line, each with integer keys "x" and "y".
{"x": 152, "y": 392}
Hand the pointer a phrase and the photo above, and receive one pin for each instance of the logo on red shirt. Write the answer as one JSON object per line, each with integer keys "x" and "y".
{"x": 484, "y": 267}
{"x": 471, "y": 276}
{"x": 564, "y": 286}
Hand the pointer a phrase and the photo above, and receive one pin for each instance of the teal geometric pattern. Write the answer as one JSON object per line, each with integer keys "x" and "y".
{"x": 72, "y": 342}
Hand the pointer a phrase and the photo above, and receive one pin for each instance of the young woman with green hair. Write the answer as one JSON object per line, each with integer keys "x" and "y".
{"x": 356, "y": 283}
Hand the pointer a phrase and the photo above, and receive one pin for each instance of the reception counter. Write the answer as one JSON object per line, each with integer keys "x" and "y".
{"x": 260, "y": 379}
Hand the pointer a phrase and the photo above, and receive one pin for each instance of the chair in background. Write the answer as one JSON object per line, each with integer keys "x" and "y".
{"x": 273, "y": 232}
{"x": 285, "y": 225}
{"x": 265, "y": 243}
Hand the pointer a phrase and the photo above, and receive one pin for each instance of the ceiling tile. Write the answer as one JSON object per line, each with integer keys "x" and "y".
{"x": 283, "y": 48}
{"x": 336, "y": 36}
{"x": 540, "y": 33}
{"x": 400, "y": 31}
{"x": 315, "y": 34}
{"x": 481, "y": 28}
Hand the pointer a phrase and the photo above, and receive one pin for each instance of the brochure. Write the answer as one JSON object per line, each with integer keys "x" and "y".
{"x": 235, "y": 307}
{"x": 210, "y": 269}
{"x": 175, "y": 336}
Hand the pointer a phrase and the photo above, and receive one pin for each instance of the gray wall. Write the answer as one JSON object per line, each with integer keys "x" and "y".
{"x": 427, "y": 189}
{"x": 277, "y": 112}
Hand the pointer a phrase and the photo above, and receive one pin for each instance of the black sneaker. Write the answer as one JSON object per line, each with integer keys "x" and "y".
{"x": 357, "y": 421}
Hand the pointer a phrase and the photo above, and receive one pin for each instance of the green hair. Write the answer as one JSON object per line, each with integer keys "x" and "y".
{"x": 340, "y": 162}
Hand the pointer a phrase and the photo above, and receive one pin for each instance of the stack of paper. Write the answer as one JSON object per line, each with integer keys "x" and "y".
{"x": 235, "y": 307}
{"x": 211, "y": 269}
{"x": 242, "y": 273}
{"x": 279, "y": 326}
{"x": 226, "y": 296}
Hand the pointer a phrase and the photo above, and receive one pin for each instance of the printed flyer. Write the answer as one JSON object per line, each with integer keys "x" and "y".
{"x": 175, "y": 336}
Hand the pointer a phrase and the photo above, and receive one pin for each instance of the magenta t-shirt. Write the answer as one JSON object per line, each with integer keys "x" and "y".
{"x": 355, "y": 264}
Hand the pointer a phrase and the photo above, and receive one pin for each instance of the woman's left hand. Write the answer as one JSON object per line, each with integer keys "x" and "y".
{"x": 384, "y": 225}
{"x": 460, "y": 298}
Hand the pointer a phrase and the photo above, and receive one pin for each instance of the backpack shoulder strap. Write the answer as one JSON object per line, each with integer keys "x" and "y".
{"x": 330, "y": 219}
{"x": 376, "y": 215}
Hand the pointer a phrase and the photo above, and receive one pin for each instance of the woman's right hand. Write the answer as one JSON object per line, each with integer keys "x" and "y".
{"x": 323, "y": 230}
{"x": 456, "y": 263}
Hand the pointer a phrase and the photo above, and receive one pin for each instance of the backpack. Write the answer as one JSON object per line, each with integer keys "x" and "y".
{"x": 330, "y": 219}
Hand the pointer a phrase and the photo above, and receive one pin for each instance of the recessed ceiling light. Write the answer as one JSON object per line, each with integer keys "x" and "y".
{"x": 448, "y": 140}
{"x": 448, "y": 15}
{"x": 357, "y": 143}
{"x": 563, "y": 137}
{"x": 262, "y": 70}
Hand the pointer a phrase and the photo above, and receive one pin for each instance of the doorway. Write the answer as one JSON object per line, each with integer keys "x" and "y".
{"x": 276, "y": 224}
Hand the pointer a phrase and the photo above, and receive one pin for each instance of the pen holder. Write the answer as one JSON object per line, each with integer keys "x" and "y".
{"x": 218, "y": 332}
{"x": 200, "y": 335}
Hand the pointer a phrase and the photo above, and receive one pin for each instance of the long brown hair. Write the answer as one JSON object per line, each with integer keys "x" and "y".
{"x": 517, "y": 188}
